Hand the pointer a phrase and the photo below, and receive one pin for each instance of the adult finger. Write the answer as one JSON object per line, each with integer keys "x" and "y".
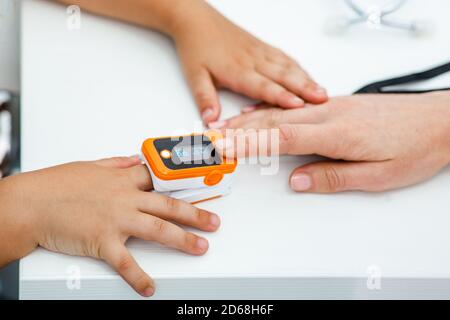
{"x": 273, "y": 117}
{"x": 299, "y": 139}
{"x": 255, "y": 107}
{"x": 248, "y": 115}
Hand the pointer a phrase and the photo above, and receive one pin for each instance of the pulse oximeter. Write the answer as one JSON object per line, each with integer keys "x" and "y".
{"x": 188, "y": 167}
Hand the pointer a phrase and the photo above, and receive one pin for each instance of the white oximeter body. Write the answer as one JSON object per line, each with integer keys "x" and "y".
{"x": 188, "y": 167}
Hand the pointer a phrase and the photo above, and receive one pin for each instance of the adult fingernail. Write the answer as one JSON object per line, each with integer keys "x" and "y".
{"x": 207, "y": 114}
{"x": 217, "y": 124}
{"x": 148, "y": 292}
{"x": 296, "y": 101}
{"x": 247, "y": 109}
{"x": 301, "y": 182}
{"x": 214, "y": 220}
{"x": 202, "y": 244}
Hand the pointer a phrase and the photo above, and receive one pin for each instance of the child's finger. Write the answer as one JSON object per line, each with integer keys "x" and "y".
{"x": 205, "y": 94}
{"x": 141, "y": 177}
{"x": 120, "y": 162}
{"x": 258, "y": 87}
{"x": 151, "y": 228}
{"x": 295, "y": 80}
{"x": 179, "y": 211}
{"x": 118, "y": 257}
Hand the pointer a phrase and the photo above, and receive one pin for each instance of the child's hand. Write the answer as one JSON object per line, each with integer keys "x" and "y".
{"x": 218, "y": 54}
{"x": 92, "y": 208}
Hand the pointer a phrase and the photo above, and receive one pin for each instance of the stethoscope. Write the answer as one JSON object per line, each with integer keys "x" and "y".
{"x": 376, "y": 17}
{"x": 388, "y": 85}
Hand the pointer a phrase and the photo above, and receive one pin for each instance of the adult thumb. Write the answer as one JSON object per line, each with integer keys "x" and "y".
{"x": 332, "y": 177}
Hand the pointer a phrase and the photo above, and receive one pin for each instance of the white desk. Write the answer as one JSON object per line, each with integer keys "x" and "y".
{"x": 101, "y": 90}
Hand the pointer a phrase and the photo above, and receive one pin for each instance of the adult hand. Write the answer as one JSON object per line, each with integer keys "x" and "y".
{"x": 378, "y": 142}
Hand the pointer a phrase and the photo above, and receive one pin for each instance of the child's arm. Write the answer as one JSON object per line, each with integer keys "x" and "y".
{"x": 217, "y": 53}
{"x": 91, "y": 209}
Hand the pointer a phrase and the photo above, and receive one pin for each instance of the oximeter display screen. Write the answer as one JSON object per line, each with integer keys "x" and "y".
{"x": 192, "y": 153}
{"x": 187, "y": 152}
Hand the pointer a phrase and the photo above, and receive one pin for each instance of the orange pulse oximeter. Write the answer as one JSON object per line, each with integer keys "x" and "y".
{"x": 188, "y": 167}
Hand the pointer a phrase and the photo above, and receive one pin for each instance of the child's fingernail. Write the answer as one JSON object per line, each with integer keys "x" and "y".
{"x": 321, "y": 91}
{"x": 207, "y": 114}
{"x": 217, "y": 124}
{"x": 135, "y": 157}
{"x": 247, "y": 109}
{"x": 202, "y": 244}
{"x": 301, "y": 182}
{"x": 214, "y": 220}
{"x": 148, "y": 292}
{"x": 296, "y": 101}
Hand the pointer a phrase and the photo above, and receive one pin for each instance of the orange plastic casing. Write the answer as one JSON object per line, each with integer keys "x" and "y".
{"x": 162, "y": 172}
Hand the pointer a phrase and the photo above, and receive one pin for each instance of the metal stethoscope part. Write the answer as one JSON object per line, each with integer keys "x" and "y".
{"x": 376, "y": 17}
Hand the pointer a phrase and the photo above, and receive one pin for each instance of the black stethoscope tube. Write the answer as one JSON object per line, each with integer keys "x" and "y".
{"x": 380, "y": 86}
